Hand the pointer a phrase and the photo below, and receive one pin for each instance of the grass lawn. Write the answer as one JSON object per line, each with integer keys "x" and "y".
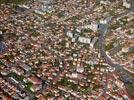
{"x": 130, "y": 89}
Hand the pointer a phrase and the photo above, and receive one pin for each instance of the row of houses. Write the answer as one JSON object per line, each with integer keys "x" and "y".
{"x": 85, "y": 40}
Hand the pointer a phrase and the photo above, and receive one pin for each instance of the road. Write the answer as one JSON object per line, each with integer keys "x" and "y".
{"x": 102, "y": 30}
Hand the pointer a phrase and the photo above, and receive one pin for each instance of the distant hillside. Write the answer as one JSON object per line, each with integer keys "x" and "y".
{"x": 13, "y": 1}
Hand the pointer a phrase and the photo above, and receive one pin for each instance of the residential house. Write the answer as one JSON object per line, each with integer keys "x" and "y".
{"x": 94, "y": 40}
{"x": 84, "y": 40}
{"x": 80, "y": 69}
{"x": 94, "y": 26}
{"x": 69, "y": 34}
{"x": 119, "y": 83}
{"x": 128, "y": 3}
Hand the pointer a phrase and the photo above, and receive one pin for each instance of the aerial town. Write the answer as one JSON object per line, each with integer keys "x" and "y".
{"x": 66, "y": 49}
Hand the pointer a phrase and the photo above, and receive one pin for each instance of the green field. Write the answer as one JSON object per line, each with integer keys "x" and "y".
{"x": 130, "y": 89}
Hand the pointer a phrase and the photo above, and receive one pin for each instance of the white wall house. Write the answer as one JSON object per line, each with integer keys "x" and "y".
{"x": 105, "y": 21}
{"x": 23, "y": 6}
{"x": 127, "y": 3}
{"x": 84, "y": 40}
{"x": 44, "y": 9}
{"x": 94, "y": 26}
{"x": 39, "y": 12}
{"x": 119, "y": 83}
{"x": 1, "y": 32}
{"x": 93, "y": 42}
{"x": 125, "y": 49}
{"x": 70, "y": 34}
{"x": 80, "y": 69}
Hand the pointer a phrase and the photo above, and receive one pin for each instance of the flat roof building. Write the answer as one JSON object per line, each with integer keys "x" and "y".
{"x": 128, "y": 3}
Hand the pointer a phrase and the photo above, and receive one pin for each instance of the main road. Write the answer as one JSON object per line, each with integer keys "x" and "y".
{"x": 103, "y": 28}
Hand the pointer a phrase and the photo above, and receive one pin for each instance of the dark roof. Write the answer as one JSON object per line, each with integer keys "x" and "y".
{"x": 129, "y": 1}
{"x": 2, "y": 47}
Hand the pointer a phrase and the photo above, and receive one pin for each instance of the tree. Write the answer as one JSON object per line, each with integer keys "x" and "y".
{"x": 1, "y": 37}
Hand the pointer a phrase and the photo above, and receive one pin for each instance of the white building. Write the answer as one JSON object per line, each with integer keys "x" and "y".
{"x": 94, "y": 26}
{"x": 74, "y": 75}
{"x": 73, "y": 39}
{"x": 70, "y": 34}
{"x": 119, "y": 83}
{"x": 84, "y": 40}
{"x": 23, "y": 6}
{"x": 80, "y": 69}
{"x": 78, "y": 30}
{"x": 127, "y": 3}
{"x": 86, "y": 26}
{"x": 125, "y": 49}
{"x": 39, "y": 12}
{"x": 93, "y": 42}
{"x": 105, "y": 21}
{"x": 1, "y": 32}
{"x": 44, "y": 9}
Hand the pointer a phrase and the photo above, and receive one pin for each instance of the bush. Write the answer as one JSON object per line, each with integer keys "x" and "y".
{"x": 130, "y": 89}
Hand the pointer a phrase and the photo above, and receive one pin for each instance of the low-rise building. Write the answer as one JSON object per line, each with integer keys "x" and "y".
{"x": 84, "y": 40}
{"x": 128, "y": 3}
{"x": 119, "y": 83}
{"x": 94, "y": 40}
{"x": 94, "y": 26}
